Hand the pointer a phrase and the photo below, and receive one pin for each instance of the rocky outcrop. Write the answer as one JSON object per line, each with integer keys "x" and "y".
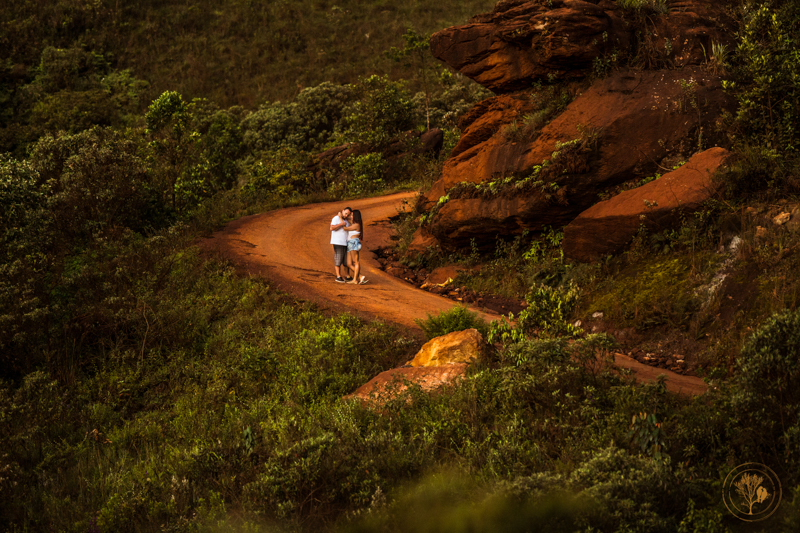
{"x": 627, "y": 125}
{"x": 608, "y": 226}
{"x": 456, "y": 347}
{"x": 421, "y": 242}
{"x": 487, "y": 117}
{"x": 520, "y": 42}
{"x": 630, "y": 123}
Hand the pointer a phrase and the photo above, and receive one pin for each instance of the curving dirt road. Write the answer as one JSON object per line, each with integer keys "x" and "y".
{"x": 291, "y": 247}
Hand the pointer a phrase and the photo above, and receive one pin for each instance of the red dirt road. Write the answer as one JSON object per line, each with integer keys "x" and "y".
{"x": 291, "y": 247}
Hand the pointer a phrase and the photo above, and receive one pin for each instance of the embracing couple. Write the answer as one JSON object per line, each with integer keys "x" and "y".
{"x": 347, "y": 232}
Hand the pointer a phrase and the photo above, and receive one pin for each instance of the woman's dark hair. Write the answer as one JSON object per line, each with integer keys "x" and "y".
{"x": 357, "y": 220}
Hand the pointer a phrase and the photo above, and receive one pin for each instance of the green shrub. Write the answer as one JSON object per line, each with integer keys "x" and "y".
{"x": 457, "y": 318}
{"x": 193, "y": 149}
{"x": 98, "y": 182}
{"x": 454, "y": 503}
{"x": 280, "y": 174}
{"x": 754, "y": 169}
{"x": 307, "y": 123}
{"x": 767, "y": 381}
{"x": 362, "y": 173}
{"x": 547, "y": 315}
{"x": 765, "y": 74}
{"x": 457, "y": 96}
{"x": 382, "y": 110}
{"x": 652, "y": 6}
{"x": 702, "y": 521}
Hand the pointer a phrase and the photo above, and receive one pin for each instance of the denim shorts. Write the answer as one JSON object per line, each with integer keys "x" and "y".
{"x": 354, "y": 245}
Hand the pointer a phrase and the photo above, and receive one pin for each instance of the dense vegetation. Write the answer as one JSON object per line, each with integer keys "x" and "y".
{"x": 143, "y": 386}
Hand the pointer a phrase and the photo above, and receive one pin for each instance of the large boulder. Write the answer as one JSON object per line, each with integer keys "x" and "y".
{"x": 392, "y": 383}
{"x": 440, "y": 361}
{"x": 608, "y": 226}
{"x": 457, "y": 347}
{"x": 629, "y": 123}
{"x": 520, "y": 42}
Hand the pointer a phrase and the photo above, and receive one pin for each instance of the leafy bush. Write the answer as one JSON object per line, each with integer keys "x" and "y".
{"x": 767, "y": 381}
{"x": 220, "y": 144}
{"x": 382, "y": 110}
{"x": 363, "y": 173}
{"x": 69, "y": 90}
{"x": 546, "y": 315}
{"x": 457, "y": 95}
{"x": 78, "y": 192}
{"x": 765, "y": 74}
{"x": 453, "y": 503}
{"x": 702, "y": 521}
{"x": 193, "y": 149}
{"x": 25, "y": 232}
{"x": 457, "y": 318}
{"x": 307, "y": 123}
{"x": 279, "y": 174}
{"x": 98, "y": 182}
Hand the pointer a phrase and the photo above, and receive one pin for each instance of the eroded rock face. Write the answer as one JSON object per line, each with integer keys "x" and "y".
{"x": 636, "y": 119}
{"x": 631, "y": 122}
{"x": 520, "y": 42}
{"x": 487, "y": 117}
{"x": 608, "y": 226}
{"x": 456, "y": 347}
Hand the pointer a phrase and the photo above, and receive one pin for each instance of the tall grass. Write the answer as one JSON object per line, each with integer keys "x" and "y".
{"x": 233, "y": 52}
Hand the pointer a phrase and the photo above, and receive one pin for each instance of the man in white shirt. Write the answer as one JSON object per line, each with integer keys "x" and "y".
{"x": 339, "y": 242}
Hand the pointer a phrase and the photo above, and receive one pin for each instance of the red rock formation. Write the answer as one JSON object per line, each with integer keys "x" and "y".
{"x": 520, "y": 42}
{"x": 487, "y": 117}
{"x": 608, "y": 226}
{"x": 637, "y": 118}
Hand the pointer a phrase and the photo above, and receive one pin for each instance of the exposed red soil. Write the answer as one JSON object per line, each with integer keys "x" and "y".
{"x": 291, "y": 248}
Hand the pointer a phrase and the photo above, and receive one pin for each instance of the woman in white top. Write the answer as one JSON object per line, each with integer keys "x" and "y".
{"x": 355, "y": 234}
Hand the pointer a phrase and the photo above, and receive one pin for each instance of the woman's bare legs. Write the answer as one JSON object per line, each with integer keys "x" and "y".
{"x": 355, "y": 266}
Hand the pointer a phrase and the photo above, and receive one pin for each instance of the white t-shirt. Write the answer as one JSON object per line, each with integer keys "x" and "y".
{"x": 340, "y": 235}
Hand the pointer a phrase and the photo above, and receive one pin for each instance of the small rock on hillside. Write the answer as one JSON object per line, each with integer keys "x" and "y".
{"x": 440, "y": 361}
{"x": 456, "y": 347}
{"x": 390, "y": 384}
{"x": 608, "y": 226}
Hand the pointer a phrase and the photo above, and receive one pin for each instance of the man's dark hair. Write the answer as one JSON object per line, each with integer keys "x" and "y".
{"x": 349, "y": 209}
